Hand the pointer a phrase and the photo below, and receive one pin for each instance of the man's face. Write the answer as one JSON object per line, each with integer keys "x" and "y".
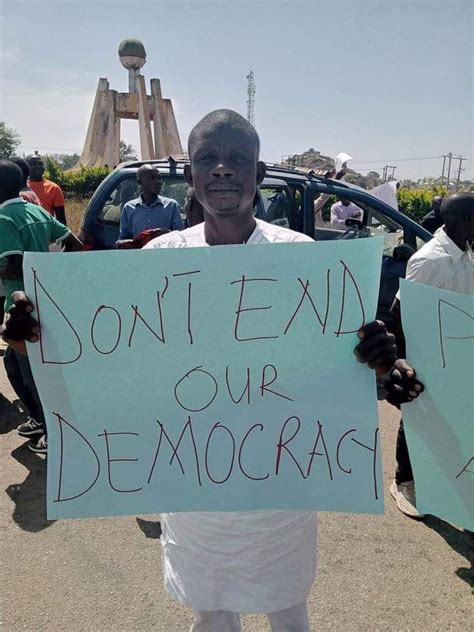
{"x": 224, "y": 172}
{"x": 150, "y": 181}
{"x": 345, "y": 202}
{"x": 469, "y": 228}
{"x": 36, "y": 166}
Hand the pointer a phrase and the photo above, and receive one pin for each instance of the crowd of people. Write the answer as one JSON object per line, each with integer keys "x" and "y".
{"x": 218, "y": 563}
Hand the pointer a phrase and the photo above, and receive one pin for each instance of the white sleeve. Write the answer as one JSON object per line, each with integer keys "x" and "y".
{"x": 424, "y": 271}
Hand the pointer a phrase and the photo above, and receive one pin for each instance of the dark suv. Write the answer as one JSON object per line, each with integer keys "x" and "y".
{"x": 286, "y": 197}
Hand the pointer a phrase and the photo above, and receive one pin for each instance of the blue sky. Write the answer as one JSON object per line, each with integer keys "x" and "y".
{"x": 379, "y": 79}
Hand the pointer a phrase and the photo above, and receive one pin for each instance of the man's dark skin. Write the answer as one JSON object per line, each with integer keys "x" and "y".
{"x": 193, "y": 209}
{"x": 36, "y": 165}
{"x": 433, "y": 220}
{"x": 224, "y": 171}
{"x": 11, "y": 181}
{"x": 150, "y": 181}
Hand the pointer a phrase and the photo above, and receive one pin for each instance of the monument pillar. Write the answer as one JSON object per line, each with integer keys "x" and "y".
{"x": 102, "y": 142}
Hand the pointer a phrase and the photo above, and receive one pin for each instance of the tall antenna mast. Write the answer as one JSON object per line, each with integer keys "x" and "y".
{"x": 251, "y": 98}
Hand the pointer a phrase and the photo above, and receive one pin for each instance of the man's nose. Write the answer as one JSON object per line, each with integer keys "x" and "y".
{"x": 222, "y": 171}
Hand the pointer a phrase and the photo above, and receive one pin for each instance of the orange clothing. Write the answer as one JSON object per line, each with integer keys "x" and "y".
{"x": 49, "y": 193}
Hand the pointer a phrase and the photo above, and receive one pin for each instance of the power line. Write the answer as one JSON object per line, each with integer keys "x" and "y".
{"x": 387, "y": 160}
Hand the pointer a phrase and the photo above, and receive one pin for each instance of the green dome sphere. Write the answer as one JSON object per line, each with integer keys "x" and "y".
{"x": 131, "y": 48}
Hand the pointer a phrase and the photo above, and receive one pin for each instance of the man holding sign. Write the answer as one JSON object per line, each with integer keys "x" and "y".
{"x": 445, "y": 262}
{"x": 223, "y": 563}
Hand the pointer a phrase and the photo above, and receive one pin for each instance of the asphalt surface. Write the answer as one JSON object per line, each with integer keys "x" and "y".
{"x": 375, "y": 572}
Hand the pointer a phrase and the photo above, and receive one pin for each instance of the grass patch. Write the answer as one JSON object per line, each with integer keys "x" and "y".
{"x": 75, "y": 208}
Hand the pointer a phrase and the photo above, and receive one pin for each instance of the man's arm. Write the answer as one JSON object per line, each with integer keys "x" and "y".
{"x": 60, "y": 214}
{"x": 58, "y": 206}
{"x": 72, "y": 243}
{"x": 125, "y": 231}
{"x": 320, "y": 201}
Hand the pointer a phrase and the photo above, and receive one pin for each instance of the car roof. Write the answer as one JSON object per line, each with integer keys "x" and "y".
{"x": 275, "y": 174}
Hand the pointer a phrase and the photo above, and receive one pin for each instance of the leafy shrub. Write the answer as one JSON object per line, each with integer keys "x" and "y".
{"x": 416, "y": 204}
{"x": 79, "y": 184}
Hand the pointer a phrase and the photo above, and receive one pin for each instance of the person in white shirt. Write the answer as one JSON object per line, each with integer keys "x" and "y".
{"x": 322, "y": 198}
{"x": 344, "y": 209}
{"x": 223, "y": 563}
{"x": 447, "y": 262}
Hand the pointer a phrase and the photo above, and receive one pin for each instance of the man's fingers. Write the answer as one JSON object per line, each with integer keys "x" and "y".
{"x": 376, "y": 326}
{"x": 22, "y": 302}
{"x": 379, "y": 350}
{"x": 403, "y": 365}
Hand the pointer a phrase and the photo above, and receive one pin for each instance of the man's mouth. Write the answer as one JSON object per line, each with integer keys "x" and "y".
{"x": 216, "y": 188}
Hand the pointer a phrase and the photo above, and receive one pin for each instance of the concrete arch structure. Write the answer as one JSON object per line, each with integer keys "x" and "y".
{"x": 159, "y": 136}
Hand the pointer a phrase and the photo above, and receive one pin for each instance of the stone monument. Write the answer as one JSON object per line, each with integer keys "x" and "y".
{"x": 159, "y": 137}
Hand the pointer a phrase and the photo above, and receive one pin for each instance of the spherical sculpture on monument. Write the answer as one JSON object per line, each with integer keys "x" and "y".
{"x": 132, "y": 53}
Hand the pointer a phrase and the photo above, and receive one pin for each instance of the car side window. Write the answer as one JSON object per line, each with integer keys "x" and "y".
{"x": 392, "y": 231}
{"x": 124, "y": 191}
{"x": 280, "y": 207}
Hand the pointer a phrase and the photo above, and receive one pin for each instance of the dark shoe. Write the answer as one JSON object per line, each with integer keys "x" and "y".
{"x": 30, "y": 428}
{"x": 41, "y": 447}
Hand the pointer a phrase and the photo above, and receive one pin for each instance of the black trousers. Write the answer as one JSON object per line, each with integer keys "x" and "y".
{"x": 404, "y": 472}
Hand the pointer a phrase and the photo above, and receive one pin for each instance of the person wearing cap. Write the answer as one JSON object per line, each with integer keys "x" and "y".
{"x": 446, "y": 262}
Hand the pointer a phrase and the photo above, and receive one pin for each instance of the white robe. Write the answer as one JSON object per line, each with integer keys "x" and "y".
{"x": 252, "y": 561}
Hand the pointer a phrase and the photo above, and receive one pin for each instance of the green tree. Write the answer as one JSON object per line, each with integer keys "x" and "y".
{"x": 65, "y": 161}
{"x": 127, "y": 152}
{"x": 9, "y": 141}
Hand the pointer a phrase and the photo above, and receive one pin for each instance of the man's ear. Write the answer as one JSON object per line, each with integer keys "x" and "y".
{"x": 261, "y": 171}
{"x": 188, "y": 175}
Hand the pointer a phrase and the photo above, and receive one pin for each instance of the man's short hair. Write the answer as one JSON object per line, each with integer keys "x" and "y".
{"x": 145, "y": 169}
{"x": 456, "y": 207}
{"x": 11, "y": 178}
{"x": 223, "y": 118}
{"x": 21, "y": 162}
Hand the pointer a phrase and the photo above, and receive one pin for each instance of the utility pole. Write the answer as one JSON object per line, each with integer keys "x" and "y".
{"x": 251, "y": 98}
{"x": 442, "y": 172}
{"x": 450, "y": 157}
{"x": 461, "y": 159}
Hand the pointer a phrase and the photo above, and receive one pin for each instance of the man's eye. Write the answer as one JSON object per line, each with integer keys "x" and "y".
{"x": 204, "y": 157}
{"x": 240, "y": 158}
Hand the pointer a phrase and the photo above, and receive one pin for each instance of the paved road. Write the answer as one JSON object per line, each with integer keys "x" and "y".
{"x": 375, "y": 573}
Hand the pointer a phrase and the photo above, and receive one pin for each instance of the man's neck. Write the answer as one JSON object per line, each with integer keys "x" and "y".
{"x": 235, "y": 230}
{"x": 459, "y": 240}
{"x": 149, "y": 198}
{"x": 36, "y": 179}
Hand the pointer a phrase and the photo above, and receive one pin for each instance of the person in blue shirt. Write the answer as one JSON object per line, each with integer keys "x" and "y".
{"x": 151, "y": 211}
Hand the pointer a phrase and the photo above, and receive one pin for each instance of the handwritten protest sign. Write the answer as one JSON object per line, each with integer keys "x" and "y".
{"x": 439, "y": 330}
{"x": 215, "y": 378}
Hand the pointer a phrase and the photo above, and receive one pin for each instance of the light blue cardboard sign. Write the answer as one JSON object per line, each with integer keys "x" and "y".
{"x": 439, "y": 331}
{"x": 215, "y": 378}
